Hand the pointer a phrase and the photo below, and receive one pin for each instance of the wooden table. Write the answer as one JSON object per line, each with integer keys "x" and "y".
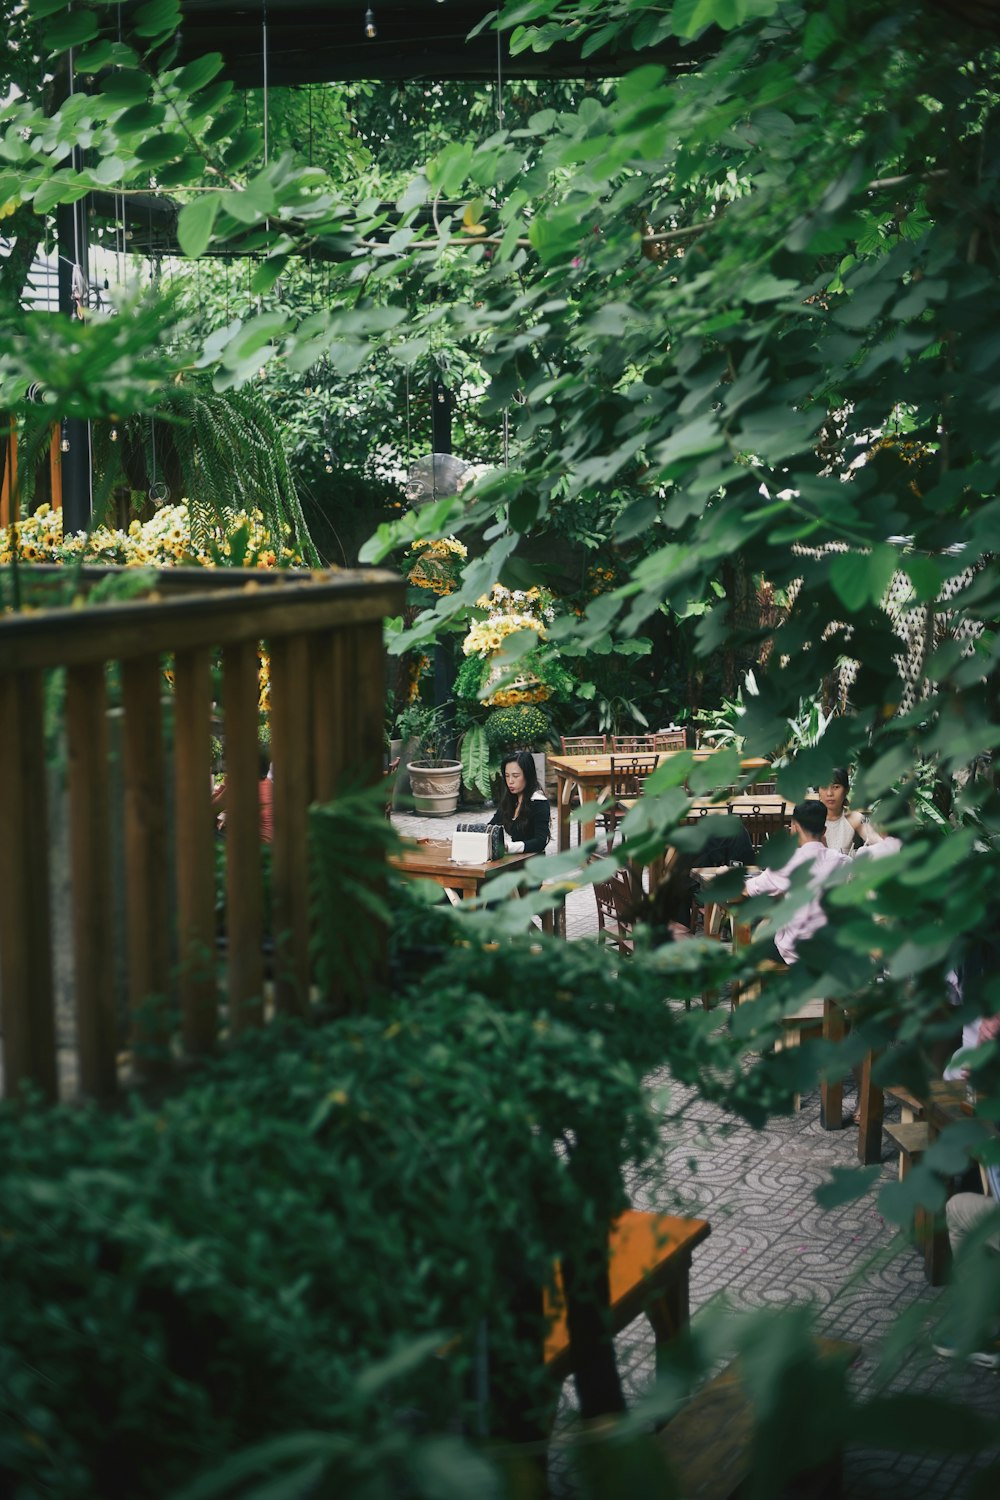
{"x": 430, "y": 859}
{"x": 590, "y": 775}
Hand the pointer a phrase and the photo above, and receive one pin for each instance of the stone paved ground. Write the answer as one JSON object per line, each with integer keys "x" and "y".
{"x": 771, "y": 1245}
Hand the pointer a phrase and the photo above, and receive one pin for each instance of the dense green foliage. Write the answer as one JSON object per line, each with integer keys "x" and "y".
{"x": 184, "y": 1278}
{"x": 739, "y": 322}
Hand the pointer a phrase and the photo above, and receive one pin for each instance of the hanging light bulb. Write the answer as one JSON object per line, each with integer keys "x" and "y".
{"x": 371, "y": 30}
{"x": 64, "y": 439}
{"x": 113, "y": 434}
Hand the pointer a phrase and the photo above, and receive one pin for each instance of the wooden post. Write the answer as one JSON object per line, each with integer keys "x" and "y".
{"x": 8, "y": 485}
{"x": 330, "y": 670}
{"x": 244, "y": 910}
{"x": 25, "y": 947}
{"x": 195, "y": 850}
{"x": 93, "y": 937}
{"x": 290, "y": 852}
{"x": 55, "y": 467}
{"x": 145, "y": 863}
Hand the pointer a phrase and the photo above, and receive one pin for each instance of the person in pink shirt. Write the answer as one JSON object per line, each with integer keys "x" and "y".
{"x": 808, "y": 825}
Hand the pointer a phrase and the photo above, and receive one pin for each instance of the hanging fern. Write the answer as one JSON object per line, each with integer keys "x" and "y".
{"x": 223, "y": 450}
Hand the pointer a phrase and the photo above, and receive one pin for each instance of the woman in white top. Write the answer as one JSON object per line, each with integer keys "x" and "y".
{"x": 843, "y": 827}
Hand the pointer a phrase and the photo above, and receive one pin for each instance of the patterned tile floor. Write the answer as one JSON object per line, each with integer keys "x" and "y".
{"x": 771, "y": 1246}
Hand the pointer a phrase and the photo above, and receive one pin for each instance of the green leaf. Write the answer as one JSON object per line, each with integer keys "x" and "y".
{"x": 58, "y": 190}
{"x": 126, "y": 86}
{"x": 251, "y": 203}
{"x": 92, "y": 59}
{"x": 141, "y": 118}
{"x": 195, "y": 224}
{"x": 243, "y": 148}
{"x": 72, "y": 30}
{"x": 847, "y": 1185}
{"x": 161, "y": 148}
{"x": 39, "y": 9}
{"x": 199, "y": 72}
{"x": 157, "y": 18}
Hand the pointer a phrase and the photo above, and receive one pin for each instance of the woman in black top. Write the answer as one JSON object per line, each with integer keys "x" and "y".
{"x": 522, "y": 809}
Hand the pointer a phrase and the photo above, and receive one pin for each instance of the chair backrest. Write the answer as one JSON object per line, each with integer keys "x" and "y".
{"x": 614, "y": 911}
{"x": 628, "y": 776}
{"x": 763, "y": 789}
{"x": 761, "y": 817}
{"x": 710, "y": 810}
{"x": 674, "y": 739}
{"x": 632, "y": 744}
{"x": 584, "y": 744}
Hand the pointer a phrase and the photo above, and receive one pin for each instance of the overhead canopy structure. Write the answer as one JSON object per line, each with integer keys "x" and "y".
{"x": 322, "y": 41}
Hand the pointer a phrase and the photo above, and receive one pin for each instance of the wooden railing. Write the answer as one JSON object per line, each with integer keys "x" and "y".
{"x": 323, "y": 634}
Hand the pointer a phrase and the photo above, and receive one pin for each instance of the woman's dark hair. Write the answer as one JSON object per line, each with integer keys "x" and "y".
{"x": 507, "y": 802}
{"x": 840, "y": 776}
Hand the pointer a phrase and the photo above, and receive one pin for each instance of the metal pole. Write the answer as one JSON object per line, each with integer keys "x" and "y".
{"x": 71, "y": 247}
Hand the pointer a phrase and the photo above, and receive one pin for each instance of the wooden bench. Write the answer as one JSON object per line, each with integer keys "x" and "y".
{"x": 709, "y": 1444}
{"x": 650, "y": 1258}
{"x": 798, "y": 1026}
{"x": 913, "y": 1138}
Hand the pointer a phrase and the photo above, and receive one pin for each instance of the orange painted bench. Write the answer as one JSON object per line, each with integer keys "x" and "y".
{"x": 650, "y": 1258}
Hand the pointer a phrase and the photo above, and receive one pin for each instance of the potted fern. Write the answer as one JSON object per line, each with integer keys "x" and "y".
{"x": 435, "y": 777}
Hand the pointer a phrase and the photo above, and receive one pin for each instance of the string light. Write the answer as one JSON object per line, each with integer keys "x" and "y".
{"x": 113, "y": 434}
{"x": 64, "y": 439}
{"x": 371, "y": 30}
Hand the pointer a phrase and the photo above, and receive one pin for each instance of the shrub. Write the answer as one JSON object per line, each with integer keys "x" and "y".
{"x": 523, "y": 727}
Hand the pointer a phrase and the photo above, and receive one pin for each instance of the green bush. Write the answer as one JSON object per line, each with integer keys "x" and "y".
{"x": 521, "y": 727}
{"x": 183, "y": 1279}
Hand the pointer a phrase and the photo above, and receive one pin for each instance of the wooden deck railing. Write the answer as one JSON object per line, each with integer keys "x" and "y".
{"x": 323, "y": 633}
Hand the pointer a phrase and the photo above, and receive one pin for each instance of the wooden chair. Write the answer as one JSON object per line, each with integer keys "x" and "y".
{"x": 763, "y": 789}
{"x": 673, "y": 739}
{"x": 632, "y": 744}
{"x": 912, "y": 1140}
{"x": 614, "y": 911}
{"x": 584, "y": 744}
{"x": 761, "y": 817}
{"x": 626, "y": 783}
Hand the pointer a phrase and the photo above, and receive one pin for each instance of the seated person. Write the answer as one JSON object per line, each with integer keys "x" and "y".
{"x": 964, "y": 1211}
{"x": 808, "y": 825}
{"x": 677, "y": 893}
{"x": 265, "y": 797}
{"x": 522, "y": 807}
{"x": 845, "y": 828}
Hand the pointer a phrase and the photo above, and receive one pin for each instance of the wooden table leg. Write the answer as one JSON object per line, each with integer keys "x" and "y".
{"x": 564, "y": 788}
{"x": 831, "y": 1090}
{"x": 871, "y": 1106}
{"x": 669, "y": 1313}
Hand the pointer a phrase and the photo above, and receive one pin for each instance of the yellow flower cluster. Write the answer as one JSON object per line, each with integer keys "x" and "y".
{"x": 442, "y": 546}
{"x": 418, "y": 666}
{"x": 487, "y": 636}
{"x": 436, "y": 564}
{"x": 535, "y": 602}
{"x": 509, "y": 697}
{"x": 161, "y": 542}
{"x": 600, "y": 580}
